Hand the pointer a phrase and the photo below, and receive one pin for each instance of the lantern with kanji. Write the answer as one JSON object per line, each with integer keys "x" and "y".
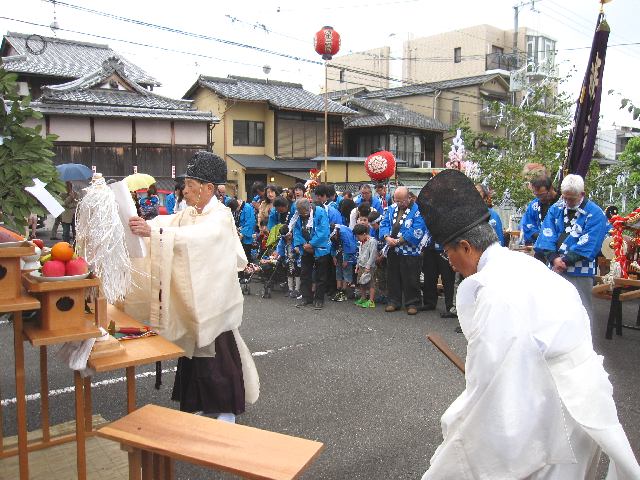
{"x": 380, "y": 165}
{"x": 327, "y": 42}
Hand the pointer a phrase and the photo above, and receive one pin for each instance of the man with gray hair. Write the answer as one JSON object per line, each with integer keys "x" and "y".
{"x": 571, "y": 237}
{"x": 538, "y": 402}
{"x": 311, "y": 236}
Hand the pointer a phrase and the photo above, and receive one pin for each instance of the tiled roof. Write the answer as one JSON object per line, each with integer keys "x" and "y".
{"x": 266, "y": 162}
{"x": 426, "y": 88}
{"x": 61, "y": 58}
{"x": 280, "y": 95}
{"x": 377, "y": 113}
{"x": 108, "y": 91}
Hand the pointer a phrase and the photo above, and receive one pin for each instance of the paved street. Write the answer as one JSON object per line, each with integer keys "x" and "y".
{"x": 366, "y": 383}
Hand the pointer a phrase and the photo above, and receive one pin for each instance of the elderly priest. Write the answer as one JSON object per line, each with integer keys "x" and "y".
{"x": 195, "y": 298}
{"x": 538, "y": 403}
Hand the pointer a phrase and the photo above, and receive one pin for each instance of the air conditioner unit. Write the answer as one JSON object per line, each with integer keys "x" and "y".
{"x": 425, "y": 164}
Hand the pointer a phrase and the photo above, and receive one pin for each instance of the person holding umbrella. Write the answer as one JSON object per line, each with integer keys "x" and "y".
{"x": 69, "y": 172}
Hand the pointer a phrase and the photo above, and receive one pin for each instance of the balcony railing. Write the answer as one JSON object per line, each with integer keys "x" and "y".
{"x": 501, "y": 61}
{"x": 488, "y": 119}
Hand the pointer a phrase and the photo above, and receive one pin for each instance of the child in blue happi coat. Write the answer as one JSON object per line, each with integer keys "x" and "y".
{"x": 343, "y": 251}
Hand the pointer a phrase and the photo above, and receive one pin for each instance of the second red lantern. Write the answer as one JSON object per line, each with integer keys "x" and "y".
{"x": 327, "y": 42}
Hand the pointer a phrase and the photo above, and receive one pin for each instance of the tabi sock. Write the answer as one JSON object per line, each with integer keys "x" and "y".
{"x": 298, "y": 283}
{"x": 227, "y": 417}
{"x": 291, "y": 282}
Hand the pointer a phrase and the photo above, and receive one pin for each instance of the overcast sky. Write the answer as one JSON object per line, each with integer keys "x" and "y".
{"x": 288, "y": 26}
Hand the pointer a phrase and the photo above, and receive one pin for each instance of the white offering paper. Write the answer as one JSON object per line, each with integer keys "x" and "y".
{"x": 126, "y": 210}
{"x": 45, "y": 198}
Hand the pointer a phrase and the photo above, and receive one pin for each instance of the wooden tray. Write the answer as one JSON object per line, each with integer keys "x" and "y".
{"x": 34, "y": 286}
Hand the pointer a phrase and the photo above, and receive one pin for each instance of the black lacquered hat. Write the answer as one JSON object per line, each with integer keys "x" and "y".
{"x": 451, "y": 206}
{"x": 207, "y": 167}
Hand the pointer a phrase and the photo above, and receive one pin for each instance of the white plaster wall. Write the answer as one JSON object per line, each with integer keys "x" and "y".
{"x": 71, "y": 129}
{"x": 191, "y": 133}
{"x": 112, "y": 130}
{"x": 153, "y": 131}
{"x": 32, "y": 123}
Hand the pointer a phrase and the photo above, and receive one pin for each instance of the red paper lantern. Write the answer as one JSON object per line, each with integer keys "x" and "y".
{"x": 327, "y": 42}
{"x": 380, "y": 165}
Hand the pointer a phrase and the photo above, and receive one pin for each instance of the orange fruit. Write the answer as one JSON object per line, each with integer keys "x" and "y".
{"x": 62, "y": 251}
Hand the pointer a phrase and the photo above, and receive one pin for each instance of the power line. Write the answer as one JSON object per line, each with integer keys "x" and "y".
{"x": 182, "y": 32}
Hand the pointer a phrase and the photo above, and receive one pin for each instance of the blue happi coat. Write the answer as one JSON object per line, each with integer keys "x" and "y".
{"x": 578, "y": 241}
{"x": 496, "y": 223}
{"x": 319, "y": 233}
{"x": 247, "y": 223}
{"x": 412, "y": 229}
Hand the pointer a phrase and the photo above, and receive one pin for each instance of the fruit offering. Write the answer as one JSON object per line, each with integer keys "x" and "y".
{"x": 62, "y": 261}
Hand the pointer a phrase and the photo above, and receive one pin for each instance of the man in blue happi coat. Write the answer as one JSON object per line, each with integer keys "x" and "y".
{"x": 311, "y": 236}
{"x": 536, "y": 211}
{"x": 571, "y": 237}
{"x": 402, "y": 229}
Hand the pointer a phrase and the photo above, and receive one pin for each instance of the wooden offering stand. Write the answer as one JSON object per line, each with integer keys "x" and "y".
{"x": 63, "y": 303}
{"x": 10, "y": 288}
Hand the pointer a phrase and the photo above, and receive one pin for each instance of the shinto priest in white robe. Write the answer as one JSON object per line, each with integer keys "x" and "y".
{"x": 191, "y": 294}
{"x": 538, "y": 403}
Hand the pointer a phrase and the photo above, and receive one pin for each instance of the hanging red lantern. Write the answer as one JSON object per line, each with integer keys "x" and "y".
{"x": 380, "y": 165}
{"x": 327, "y": 42}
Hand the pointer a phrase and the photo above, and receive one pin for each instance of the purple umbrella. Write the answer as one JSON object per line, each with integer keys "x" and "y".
{"x": 70, "y": 172}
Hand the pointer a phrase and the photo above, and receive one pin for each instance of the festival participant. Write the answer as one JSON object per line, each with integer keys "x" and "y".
{"x": 170, "y": 200}
{"x": 538, "y": 403}
{"x": 572, "y": 235}
{"x": 245, "y": 220}
{"x": 70, "y": 202}
{"x": 311, "y": 236}
{"x": 343, "y": 252}
{"x": 217, "y": 375}
{"x": 280, "y": 213}
{"x": 290, "y": 258}
{"x": 366, "y": 195}
{"x": 383, "y": 196}
{"x": 346, "y": 207}
{"x": 536, "y": 211}
{"x": 402, "y": 229}
{"x": 366, "y": 266}
{"x": 494, "y": 220}
{"x": 222, "y": 195}
{"x": 257, "y": 190}
{"x": 271, "y": 192}
{"x": 322, "y": 193}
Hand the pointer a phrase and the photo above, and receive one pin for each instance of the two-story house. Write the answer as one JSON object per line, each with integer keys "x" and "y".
{"x": 269, "y": 130}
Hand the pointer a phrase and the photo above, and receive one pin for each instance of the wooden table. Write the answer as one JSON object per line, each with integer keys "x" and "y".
{"x": 17, "y": 306}
{"x": 156, "y": 436}
{"x": 135, "y": 352}
{"x": 624, "y": 289}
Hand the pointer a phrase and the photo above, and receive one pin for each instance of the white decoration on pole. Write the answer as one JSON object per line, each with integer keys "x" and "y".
{"x": 45, "y": 198}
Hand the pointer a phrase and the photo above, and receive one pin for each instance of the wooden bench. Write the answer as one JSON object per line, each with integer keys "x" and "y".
{"x": 156, "y": 436}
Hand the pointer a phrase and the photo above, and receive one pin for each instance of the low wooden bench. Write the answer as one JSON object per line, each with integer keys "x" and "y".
{"x": 156, "y": 436}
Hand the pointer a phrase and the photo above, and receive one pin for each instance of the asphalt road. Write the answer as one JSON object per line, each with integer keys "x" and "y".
{"x": 365, "y": 383}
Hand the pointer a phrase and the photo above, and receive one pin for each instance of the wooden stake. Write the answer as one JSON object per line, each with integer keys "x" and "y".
{"x": 441, "y": 345}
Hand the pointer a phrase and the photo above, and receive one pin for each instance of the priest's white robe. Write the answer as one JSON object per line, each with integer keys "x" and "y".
{"x": 189, "y": 289}
{"x": 538, "y": 403}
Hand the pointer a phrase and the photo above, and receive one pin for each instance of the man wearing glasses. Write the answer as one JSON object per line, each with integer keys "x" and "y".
{"x": 537, "y": 209}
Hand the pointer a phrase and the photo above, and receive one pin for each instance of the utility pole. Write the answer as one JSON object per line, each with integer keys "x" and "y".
{"x": 516, "y": 12}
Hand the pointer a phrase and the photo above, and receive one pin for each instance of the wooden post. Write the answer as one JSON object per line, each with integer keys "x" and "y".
{"x": 21, "y": 399}
{"x": 326, "y": 123}
{"x": 131, "y": 389}
{"x": 135, "y": 462}
{"x": 44, "y": 395}
{"x": 81, "y": 460}
{"x": 88, "y": 405}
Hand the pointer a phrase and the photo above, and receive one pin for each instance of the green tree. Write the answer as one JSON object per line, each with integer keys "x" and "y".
{"x": 24, "y": 155}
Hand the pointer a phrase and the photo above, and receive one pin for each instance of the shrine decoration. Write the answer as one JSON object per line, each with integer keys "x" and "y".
{"x": 380, "y": 165}
{"x": 625, "y": 247}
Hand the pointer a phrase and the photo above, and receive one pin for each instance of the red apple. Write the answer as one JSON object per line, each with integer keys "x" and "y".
{"x": 76, "y": 266}
{"x": 53, "y": 268}
{"x": 37, "y": 242}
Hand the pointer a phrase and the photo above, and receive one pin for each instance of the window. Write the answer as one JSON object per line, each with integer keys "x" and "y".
{"x": 342, "y": 75}
{"x": 497, "y": 50}
{"x": 248, "y": 133}
{"x": 457, "y": 54}
{"x": 455, "y": 110}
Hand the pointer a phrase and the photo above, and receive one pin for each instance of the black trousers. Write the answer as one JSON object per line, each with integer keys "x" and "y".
{"x": 433, "y": 265}
{"x": 403, "y": 279}
{"x": 321, "y": 264}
